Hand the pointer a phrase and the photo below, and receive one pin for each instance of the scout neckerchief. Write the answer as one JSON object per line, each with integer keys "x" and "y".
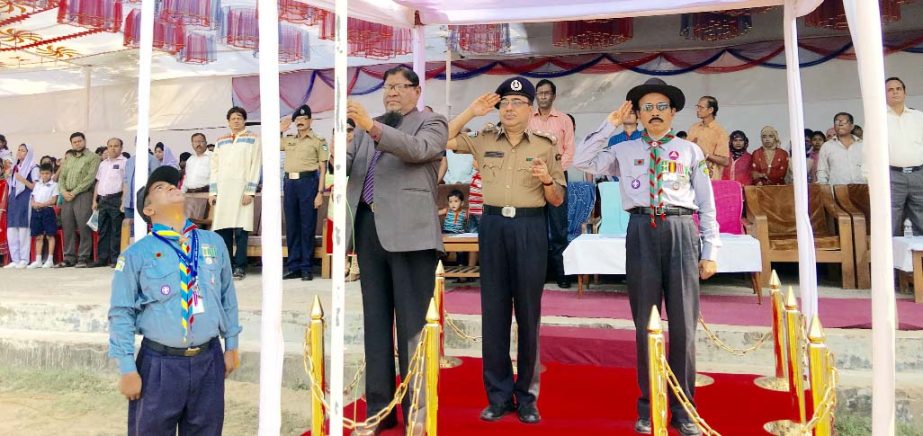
{"x": 188, "y": 254}
{"x": 656, "y": 176}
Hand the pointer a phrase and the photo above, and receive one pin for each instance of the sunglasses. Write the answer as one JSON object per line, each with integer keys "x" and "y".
{"x": 648, "y": 107}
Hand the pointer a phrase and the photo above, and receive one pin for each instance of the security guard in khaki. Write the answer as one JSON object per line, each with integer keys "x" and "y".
{"x": 305, "y": 167}
{"x": 520, "y": 174}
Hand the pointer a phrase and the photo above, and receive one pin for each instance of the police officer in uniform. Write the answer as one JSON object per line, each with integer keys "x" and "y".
{"x": 664, "y": 179}
{"x": 174, "y": 288}
{"x": 304, "y": 170}
{"x": 520, "y": 174}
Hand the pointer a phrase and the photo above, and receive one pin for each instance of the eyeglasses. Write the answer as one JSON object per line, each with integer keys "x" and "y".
{"x": 660, "y": 106}
{"x": 399, "y": 87}
{"x": 515, "y": 104}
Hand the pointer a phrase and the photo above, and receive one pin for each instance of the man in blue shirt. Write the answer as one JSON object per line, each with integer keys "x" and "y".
{"x": 174, "y": 288}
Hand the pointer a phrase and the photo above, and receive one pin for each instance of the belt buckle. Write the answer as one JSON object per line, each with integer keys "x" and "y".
{"x": 508, "y": 211}
{"x": 907, "y": 170}
{"x": 190, "y": 352}
{"x": 660, "y": 210}
{"x": 294, "y": 176}
{"x": 372, "y": 207}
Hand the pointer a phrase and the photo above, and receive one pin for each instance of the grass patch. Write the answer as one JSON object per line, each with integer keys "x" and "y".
{"x": 854, "y": 425}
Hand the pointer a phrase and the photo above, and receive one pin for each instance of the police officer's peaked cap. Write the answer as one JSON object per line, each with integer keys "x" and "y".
{"x": 161, "y": 174}
{"x": 303, "y": 111}
{"x": 677, "y": 98}
{"x": 516, "y": 86}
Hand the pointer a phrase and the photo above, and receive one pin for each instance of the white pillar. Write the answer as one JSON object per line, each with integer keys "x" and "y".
{"x": 146, "y": 52}
{"x": 271, "y": 344}
{"x": 337, "y": 320}
{"x": 87, "y": 84}
{"x": 807, "y": 266}
{"x": 448, "y": 78}
{"x": 866, "y": 37}
{"x": 419, "y": 62}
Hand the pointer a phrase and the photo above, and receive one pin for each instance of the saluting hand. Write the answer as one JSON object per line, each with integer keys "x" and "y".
{"x": 484, "y": 104}
{"x": 130, "y": 386}
{"x": 285, "y": 123}
{"x": 359, "y": 115}
{"x": 231, "y": 362}
{"x": 615, "y": 118}
{"x": 212, "y": 200}
{"x": 540, "y": 170}
{"x": 707, "y": 268}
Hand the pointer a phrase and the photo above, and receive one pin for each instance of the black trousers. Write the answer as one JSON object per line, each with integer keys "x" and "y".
{"x": 396, "y": 290}
{"x": 662, "y": 269}
{"x": 110, "y": 228}
{"x": 557, "y": 237}
{"x": 513, "y": 255}
{"x": 235, "y": 236}
{"x": 300, "y": 221}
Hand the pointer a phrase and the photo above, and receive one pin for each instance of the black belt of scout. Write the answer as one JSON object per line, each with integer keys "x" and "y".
{"x": 668, "y": 210}
{"x": 906, "y": 170}
{"x": 300, "y": 174}
{"x": 170, "y": 351}
{"x": 513, "y": 212}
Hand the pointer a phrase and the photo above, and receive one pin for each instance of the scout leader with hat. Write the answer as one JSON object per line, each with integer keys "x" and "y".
{"x": 664, "y": 179}
{"x": 174, "y": 288}
{"x": 305, "y": 167}
{"x": 520, "y": 173}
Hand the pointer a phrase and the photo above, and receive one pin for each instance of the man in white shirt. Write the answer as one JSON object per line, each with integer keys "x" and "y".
{"x": 195, "y": 180}
{"x": 905, "y": 137}
{"x": 840, "y": 161}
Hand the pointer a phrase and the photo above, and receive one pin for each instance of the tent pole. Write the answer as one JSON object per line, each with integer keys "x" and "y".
{"x": 419, "y": 62}
{"x": 271, "y": 343}
{"x": 866, "y": 36}
{"x": 142, "y": 137}
{"x": 807, "y": 266}
{"x": 448, "y": 78}
{"x": 87, "y": 83}
{"x": 337, "y": 318}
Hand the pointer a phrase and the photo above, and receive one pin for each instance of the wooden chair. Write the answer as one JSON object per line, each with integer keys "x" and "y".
{"x": 854, "y": 199}
{"x": 771, "y": 220}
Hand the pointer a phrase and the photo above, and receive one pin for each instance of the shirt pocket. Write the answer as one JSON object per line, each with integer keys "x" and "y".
{"x": 524, "y": 174}
{"x": 160, "y": 282}
{"x": 490, "y": 169}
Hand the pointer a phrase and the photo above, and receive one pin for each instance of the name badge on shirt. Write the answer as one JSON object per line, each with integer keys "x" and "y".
{"x": 115, "y": 167}
{"x": 493, "y": 154}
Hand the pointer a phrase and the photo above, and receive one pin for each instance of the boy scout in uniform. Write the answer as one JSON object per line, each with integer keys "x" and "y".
{"x": 305, "y": 167}
{"x": 174, "y": 288}
{"x": 664, "y": 179}
{"x": 520, "y": 174}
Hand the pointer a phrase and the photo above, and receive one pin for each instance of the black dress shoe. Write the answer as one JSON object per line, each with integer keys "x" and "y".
{"x": 528, "y": 414}
{"x": 307, "y": 276}
{"x": 97, "y": 264}
{"x": 564, "y": 283}
{"x": 643, "y": 426}
{"x": 292, "y": 275}
{"x": 239, "y": 274}
{"x": 494, "y": 412}
{"x": 64, "y": 264}
{"x": 686, "y": 428}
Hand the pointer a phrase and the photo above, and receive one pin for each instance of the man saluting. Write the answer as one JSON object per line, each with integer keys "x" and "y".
{"x": 663, "y": 179}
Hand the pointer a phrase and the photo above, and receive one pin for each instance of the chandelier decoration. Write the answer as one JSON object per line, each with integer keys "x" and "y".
{"x": 831, "y": 14}
{"x": 370, "y": 40}
{"x": 592, "y": 34}
{"x": 293, "y": 44}
{"x": 104, "y": 15}
{"x": 168, "y": 36}
{"x": 295, "y": 12}
{"x": 240, "y": 28}
{"x": 198, "y": 48}
{"x": 202, "y": 13}
{"x": 480, "y": 38}
{"x": 715, "y": 26}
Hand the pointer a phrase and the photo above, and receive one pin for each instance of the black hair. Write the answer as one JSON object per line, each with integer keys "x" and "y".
{"x": 740, "y": 134}
{"x": 819, "y": 133}
{"x": 126, "y": 154}
{"x": 849, "y": 115}
{"x": 573, "y": 121}
{"x": 159, "y": 145}
{"x": 210, "y": 146}
{"x": 808, "y": 133}
{"x": 3, "y": 138}
{"x": 351, "y": 122}
{"x": 712, "y": 103}
{"x": 78, "y": 134}
{"x": 70, "y": 152}
{"x": 184, "y": 156}
{"x": 200, "y": 134}
{"x": 682, "y": 134}
{"x": 236, "y": 110}
{"x": 898, "y": 79}
{"x": 121, "y": 143}
{"x": 456, "y": 193}
{"x": 554, "y": 89}
{"x": 46, "y": 167}
{"x": 100, "y": 150}
{"x": 408, "y": 74}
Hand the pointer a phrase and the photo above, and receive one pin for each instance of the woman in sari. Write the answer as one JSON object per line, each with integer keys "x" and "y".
{"x": 739, "y": 169}
{"x": 6, "y": 165}
{"x": 770, "y": 162}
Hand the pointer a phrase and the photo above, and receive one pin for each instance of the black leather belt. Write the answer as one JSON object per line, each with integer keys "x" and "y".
{"x": 668, "y": 210}
{"x": 170, "y": 351}
{"x": 299, "y": 175}
{"x": 197, "y": 190}
{"x": 106, "y": 197}
{"x": 513, "y": 212}
{"x": 907, "y": 170}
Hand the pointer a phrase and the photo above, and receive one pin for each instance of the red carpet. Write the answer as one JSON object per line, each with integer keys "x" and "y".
{"x": 587, "y": 400}
{"x": 716, "y": 309}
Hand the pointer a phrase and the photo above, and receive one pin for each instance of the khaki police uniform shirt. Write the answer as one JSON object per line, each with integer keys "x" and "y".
{"x": 506, "y": 170}
{"x": 304, "y": 154}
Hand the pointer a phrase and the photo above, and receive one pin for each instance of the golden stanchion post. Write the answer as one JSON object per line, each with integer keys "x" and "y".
{"x": 317, "y": 365}
{"x": 439, "y": 296}
{"x": 779, "y": 382}
{"x": 818, "y": 358}
{"x": 433, "y": 345}
{"x": 656, "y": 377}
{"x": 793, "y": 328}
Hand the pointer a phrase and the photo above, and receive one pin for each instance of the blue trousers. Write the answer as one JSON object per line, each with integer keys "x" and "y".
{"x": 300, "y": 221}
{"x": 184, "y": 393}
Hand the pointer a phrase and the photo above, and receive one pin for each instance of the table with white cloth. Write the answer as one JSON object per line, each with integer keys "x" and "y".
{"x": 605, "y": 254}
{"x": 908, "y": 257}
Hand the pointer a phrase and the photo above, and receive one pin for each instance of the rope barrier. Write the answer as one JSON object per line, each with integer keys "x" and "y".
{"x": 827, "y": 406}
{"x": 458, "y": 330}
{"x": 735, "y": 351}
{"x": 682, "y": 398}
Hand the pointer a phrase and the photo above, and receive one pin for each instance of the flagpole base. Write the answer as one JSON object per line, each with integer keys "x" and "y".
{"x": 772, "y": 384}
{"x": 702, "y": 380}
{"x": 782, "y": 427}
